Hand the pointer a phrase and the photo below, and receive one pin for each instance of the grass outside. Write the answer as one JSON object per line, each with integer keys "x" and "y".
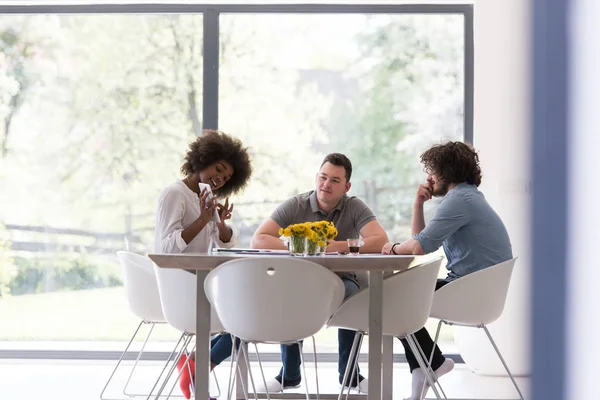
{"x": 101, "y": 315}
{"x": 84, "y": 315}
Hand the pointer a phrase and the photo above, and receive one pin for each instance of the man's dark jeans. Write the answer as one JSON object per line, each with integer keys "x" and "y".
{"x": 290, "y": 354}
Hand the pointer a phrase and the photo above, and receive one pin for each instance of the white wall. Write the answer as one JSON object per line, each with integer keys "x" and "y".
{"x": 502, "y": 133}
{"x": 583, "y": 297}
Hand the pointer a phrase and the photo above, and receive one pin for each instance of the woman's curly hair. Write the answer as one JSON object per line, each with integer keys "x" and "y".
{"x": 453, "y": 162}
{"x": 214, "y": 146}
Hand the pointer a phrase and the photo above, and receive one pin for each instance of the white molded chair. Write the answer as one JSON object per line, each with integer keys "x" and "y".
{"x": 407, "y": 299}
{"x": 273, "y": 300}
{"x": 475, "y": 300}
{"x": 143, "y": 300}
{"x": 362, "y": 277}
{"x": 177, "y": 289}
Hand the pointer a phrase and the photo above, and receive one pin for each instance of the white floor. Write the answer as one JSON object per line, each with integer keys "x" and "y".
{"x": 83, "y": 380}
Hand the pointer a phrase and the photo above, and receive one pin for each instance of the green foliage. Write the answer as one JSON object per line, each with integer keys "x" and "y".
{"x": 408, "y": 76}
{"x": 96, "y": 112}
{"x": 24, "y": 49}
{"x": 42, "y": 274}
{"x": 8, "y": 269}
{"x": 113, "y": 100}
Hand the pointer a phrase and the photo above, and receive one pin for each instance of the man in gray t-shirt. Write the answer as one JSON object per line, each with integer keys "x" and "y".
{"x": 465, "y": 225}
{"x": 352, "y": 217}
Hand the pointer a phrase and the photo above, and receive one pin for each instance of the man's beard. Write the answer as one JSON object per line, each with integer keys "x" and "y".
{"x": 442, "y": 191}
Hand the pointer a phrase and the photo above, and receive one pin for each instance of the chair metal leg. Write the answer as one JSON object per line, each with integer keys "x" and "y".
{"x": 176, "y": 380}
{"x": 437, "y": 336}
{"x": 360, "y": 342}
{"x": 282, "y": 377}
{"x": 137, "y": 360}
{"x": 180, "y": 352}
{"x": 192, "y": 382}
{"x": 153, "y": 325}
{"x": 217, "y": 384}
{"x": 235, "y": 356}
{"x": 245, "y": 352}
{"x": 414, "y": 346}
{"x": 181, "y": 338}
{"x": 187, "y": 340}
{"x": 120, "y": 359}
{"x": 189, "y": 367}
{"x": 316, "y": 371}
{"x": 240, "y": 375}
{"x": 495, "y": 348}
{"x": 185, "y": 365}
{"x": 489, "y": 335}
{"x": 215, "y": 374}
{"x": 428, "y": 364}
{"x": 355, "y": 367}
{"x": 304, "y": 372}
{"x": 347, "y": 372}
{"x": 231, "y": 381}
{"x": 262, "y": 372}
{"x": 432, "y": 373}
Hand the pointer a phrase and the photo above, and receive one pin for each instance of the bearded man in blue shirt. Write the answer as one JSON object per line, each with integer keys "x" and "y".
{"x": 471, "y": 233}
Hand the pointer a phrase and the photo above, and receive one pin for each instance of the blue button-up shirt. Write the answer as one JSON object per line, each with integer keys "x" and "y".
{"x": 472, "y": 234}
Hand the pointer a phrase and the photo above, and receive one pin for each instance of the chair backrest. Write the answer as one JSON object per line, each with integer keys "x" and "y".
{"x": 141, "y": 289}
{"x": 273, "y": 300}
{"x": 477, "y": 298}
{"x": 177, "y": 290}
{"x": 407, "y": 298}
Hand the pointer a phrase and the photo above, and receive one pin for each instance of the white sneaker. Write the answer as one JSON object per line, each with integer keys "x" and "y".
{"x": 273, "y": 385}
{"x": 363, "y": 387}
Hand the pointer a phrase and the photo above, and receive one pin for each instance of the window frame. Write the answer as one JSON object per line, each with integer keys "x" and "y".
{"x": 210, "y": 97}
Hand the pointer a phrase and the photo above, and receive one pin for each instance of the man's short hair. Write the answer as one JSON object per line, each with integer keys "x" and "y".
{"x": 339, "y": 160}
{"x": 453, "y": 162}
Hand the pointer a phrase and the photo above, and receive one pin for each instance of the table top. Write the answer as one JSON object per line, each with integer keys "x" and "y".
{"x": 334, "y": 262}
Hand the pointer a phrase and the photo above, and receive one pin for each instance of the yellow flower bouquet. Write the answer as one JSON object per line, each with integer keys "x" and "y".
{"x": 309, "y": 238}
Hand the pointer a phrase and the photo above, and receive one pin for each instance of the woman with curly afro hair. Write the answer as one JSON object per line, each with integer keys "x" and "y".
{"x": 215, "y": 164}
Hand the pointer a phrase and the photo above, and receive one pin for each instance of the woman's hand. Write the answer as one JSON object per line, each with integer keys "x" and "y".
{"x": 207, "y": 206}
{"x": 225, "y": 210}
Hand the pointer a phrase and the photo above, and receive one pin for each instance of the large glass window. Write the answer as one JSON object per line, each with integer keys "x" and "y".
{"x": 94, "y": 115}
{"x": 379, "y": 88}
{"x": 96, "y": 111}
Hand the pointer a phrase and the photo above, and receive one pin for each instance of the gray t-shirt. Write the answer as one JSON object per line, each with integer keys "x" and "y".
{"x": 472, "y": 234}
{"x": 349, "y": 215}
